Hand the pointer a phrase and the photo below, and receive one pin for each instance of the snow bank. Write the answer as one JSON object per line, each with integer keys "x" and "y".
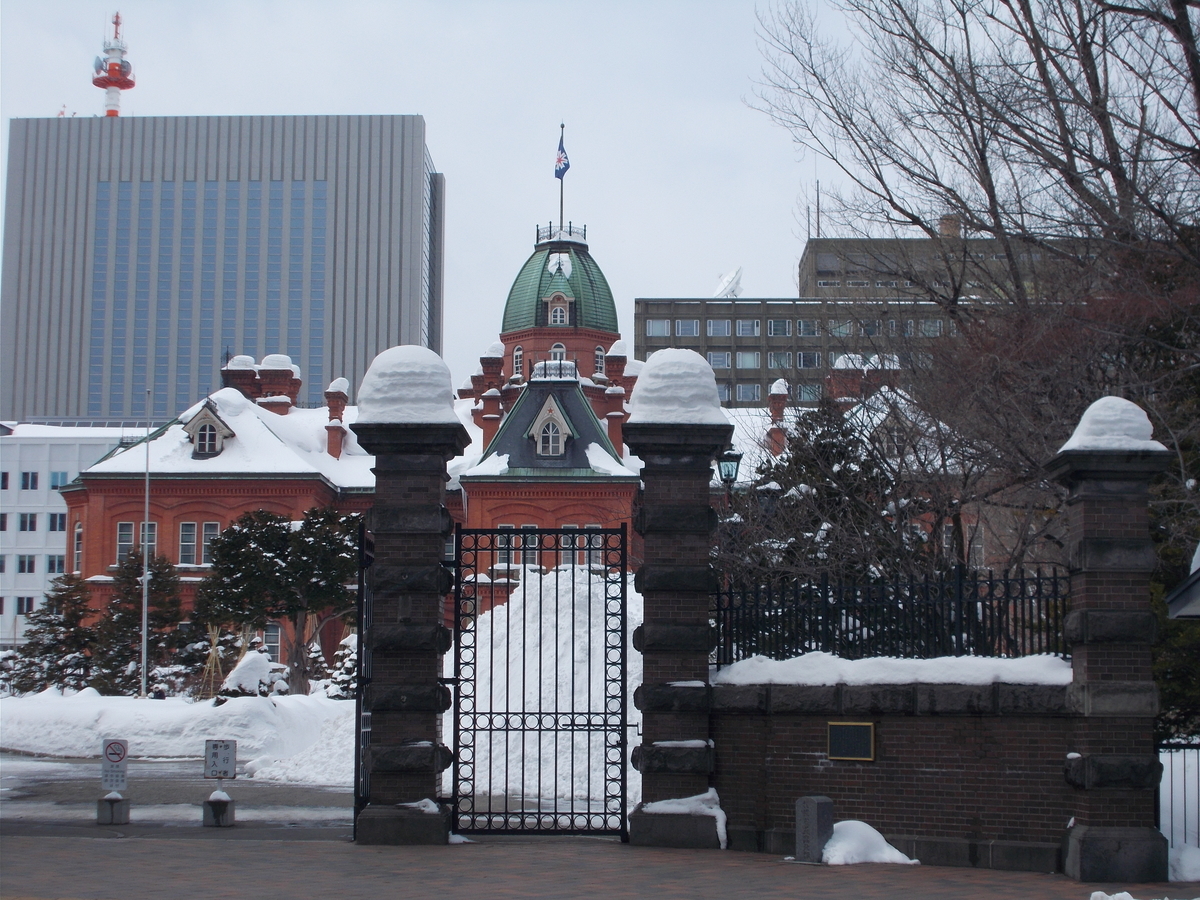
{"x": 1113, "y": 423}
{"x": 328, "y": 759}
{"x": 74, "y": 725}
{"x": 254, "y": 675}
{"x": 706, "y": 804}
{"x": 856, "y": 842}
{"x": 676, "y": 387}
{"x": 819, "y": 668}
{"x": 407, "y": 384}
{"x": 1185, "y": 863}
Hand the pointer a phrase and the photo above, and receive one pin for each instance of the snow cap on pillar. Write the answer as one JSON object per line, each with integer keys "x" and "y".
{"x": 407, "y": 384}
{"x": 677, "y": 387}
{"x": 1113, "y": 423}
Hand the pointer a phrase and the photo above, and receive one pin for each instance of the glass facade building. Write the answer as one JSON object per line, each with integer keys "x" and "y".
{"x": 140, "y": 253}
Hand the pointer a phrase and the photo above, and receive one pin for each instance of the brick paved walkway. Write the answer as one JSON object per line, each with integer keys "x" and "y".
{"x": 174, "y": 863}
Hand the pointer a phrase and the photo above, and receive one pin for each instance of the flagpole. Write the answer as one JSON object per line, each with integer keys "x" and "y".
{"x": 562, "y": 128}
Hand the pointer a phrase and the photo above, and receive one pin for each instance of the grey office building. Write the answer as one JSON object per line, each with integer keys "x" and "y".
{"x": 139, "y": 253}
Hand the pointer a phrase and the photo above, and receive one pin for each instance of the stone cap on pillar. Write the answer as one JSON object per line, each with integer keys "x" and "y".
{"x": 406, "y": 406}
{"x": 1114, "y": 441}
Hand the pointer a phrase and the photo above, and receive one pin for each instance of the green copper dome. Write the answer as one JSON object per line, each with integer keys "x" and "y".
{"x": 578, "y": 276}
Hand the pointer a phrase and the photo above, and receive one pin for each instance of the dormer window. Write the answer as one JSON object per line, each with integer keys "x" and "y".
{"x": 207, "y": 432}
{"x": 550, "y": 430}
{"x": 558, "y": 316}
{"x": 550, "y": 443}
{"x": 558, "y": 353}
{"x": 558, "y": 310}
{"x": 206, "y": 441}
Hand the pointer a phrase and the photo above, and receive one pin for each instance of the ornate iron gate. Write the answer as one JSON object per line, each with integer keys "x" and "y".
{"x": 539, "y": 681}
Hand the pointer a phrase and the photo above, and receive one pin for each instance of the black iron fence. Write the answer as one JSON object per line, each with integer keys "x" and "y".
{"x": 956, "y": 614}
{"x": 1178, "y": 807}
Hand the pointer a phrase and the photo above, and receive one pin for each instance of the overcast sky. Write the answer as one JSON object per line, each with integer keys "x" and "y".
{"x": 676, "y": 177}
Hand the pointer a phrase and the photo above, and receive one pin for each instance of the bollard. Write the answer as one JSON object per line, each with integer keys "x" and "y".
{"x": 218, "y": 810}
{"x": 814, "y": 827}
{"x": 112, "y": 809}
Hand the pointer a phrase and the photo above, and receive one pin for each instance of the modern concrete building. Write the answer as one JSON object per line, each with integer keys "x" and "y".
{"x": 36, "y": 542}
{"x": 141, "y": 253}
{"x": 752, "y": 343}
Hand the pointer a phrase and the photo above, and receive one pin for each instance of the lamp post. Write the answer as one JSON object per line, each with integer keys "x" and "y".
{"x": 145, "y": 537}
{"x": 727, "y": 465}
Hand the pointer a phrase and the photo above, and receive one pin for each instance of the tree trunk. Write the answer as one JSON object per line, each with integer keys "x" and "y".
{"x": 298, "y": 655}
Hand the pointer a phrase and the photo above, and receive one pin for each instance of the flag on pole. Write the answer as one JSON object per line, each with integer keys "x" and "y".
{"x": 561, "y": 163}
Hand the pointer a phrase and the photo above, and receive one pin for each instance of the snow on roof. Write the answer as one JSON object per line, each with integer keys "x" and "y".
{"x": 619, "y": 348}
{"x": 407, "y": 384}
{"x": 262, "y": 443}
{"x": 470, "y": 457}
{"x": 74, "y": 432}
{"x": 676, "y": 386}
{"x": 494, "y": 351}
{"x": 1113, "y": 423}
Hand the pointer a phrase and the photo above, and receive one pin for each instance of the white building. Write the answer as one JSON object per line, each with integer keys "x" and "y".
{"x": 36, "y": 460}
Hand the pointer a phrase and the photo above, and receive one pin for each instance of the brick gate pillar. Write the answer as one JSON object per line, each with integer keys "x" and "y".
{"x": 1107, "y": 467}
{"x": 677, "y": 428}
{"x": 406, "y": 419}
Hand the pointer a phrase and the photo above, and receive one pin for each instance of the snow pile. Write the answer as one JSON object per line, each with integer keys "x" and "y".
{"x": 1113, "y": 423}
{"x": 856, "y": 842}
{"x": 426, "y": 806}
{"x": 819, "y": 668}
{"x": 219, "y": 797}
{"x": 328, "y": 759}
{"x": 1185, "y": 863}
{"x": 600, "y": 460}
{"x": 74, "y": 725}
{"x": 407, "y": 384}
{"x": 676, "y": 387}
{"x": 254, "y": 676}
{"x": 338, "y": 386}
{"x": 706, "y": 804}
{"x": 543, "y": 651}
{"x": 496, "y": 464}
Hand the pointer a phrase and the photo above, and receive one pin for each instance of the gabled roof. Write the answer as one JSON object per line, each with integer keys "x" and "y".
{"x": 588, "y": 453}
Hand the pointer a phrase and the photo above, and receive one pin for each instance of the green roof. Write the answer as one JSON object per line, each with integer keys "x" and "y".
{"x": 594, "y": 307}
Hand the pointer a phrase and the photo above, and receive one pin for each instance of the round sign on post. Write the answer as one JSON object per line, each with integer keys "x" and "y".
{"x": 114, "y": 764}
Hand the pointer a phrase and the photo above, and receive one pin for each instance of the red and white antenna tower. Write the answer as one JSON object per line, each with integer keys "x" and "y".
{"x": 113, "y": 71}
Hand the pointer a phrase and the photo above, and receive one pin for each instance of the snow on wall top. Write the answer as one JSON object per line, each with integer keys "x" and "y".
{"x": 678, "y": 387}
{"x": 407, "y": 384}
{"x": 820, "y": 668}
{"x": 494, "y": 351}
{"x": 1113, "y": 423}
{"x": 619, "y": 348}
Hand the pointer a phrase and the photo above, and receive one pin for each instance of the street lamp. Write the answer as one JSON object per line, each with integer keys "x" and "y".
{"x": 727, "y": 465}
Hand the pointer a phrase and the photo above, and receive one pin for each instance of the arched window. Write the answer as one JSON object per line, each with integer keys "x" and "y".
{"x": 551, "y": 440}
{"x": 206, "y": 440}
{"x": 558, "y": 353}
{"x": 558, "y": 316}
{"x": 518, "y": 361}
{"x": 598, "y": 366}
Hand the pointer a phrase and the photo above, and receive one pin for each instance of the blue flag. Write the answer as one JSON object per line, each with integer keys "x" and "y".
{"x": 561, "y": 163}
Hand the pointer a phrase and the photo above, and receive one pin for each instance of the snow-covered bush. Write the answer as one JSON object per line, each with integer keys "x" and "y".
{"x": 255, "y": 676}
{"x": 344, "y": 669}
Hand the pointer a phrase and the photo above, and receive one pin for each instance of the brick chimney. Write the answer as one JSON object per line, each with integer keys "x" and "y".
{"x": 615, "y": 416}
{"x": 276, "y": 377}
{"x": 492, "y": 366}
{"x": 777, "y": 403}
{"x": 614, "y": 364}
{"x": 335, "y": 432}
{"x": 241, "y": 373}
{"x": 489, "y": 418}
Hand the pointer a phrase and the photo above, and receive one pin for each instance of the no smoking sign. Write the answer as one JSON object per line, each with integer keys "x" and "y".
{"x": 114, "y": 764}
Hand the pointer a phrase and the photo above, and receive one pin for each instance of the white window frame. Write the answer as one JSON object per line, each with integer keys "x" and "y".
{"x": 658, "y": 328}
{"x": 687, "y": 328}
{"x": 720, "y": 359}
{"x": 748, "y": 327}
{"x": 209, "y": 530}
{"x": 719, "y": 328}
{"x": 188, "y": 558}
{"x": 779, "y": 359}
{"x": 749, "y": 359}
{"x": 124, "y": 540}
{"x": 77, "y": 549}
{"x": 807, "y": 328}
{"x": 558, "y": 353}
{"x": 518, "y": 363}
{"x": 749, "y": 393}
{"x": 779, "y": 327}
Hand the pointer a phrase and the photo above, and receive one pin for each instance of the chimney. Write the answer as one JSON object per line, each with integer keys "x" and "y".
{"x": 275, "y": 376}
{"x": 615, "y": 417}
{"x": 614, "y": 364}
{"x": 489, "y": 419}
{"x": 241, "y": 373}
{"x": 491, "y": 365}
{"x": 950, "y": 226}
{"x": 335, "y": 432}
{"x": 777, "y": 402}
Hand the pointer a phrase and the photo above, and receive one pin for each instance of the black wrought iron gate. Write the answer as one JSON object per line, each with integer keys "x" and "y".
{"x": 539, "y": 715}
